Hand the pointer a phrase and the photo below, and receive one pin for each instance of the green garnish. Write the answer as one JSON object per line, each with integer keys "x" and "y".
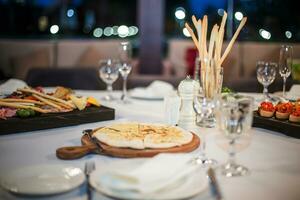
{"x": 24, "y": 113}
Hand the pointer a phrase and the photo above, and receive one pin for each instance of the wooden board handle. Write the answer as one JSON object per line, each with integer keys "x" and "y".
{"x": 74, "y": 152}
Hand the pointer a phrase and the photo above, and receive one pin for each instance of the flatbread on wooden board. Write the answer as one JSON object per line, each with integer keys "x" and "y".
{"x": 142, "y": 136}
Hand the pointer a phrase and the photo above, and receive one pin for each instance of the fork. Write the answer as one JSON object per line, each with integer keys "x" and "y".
{"x": 88, "y": 168}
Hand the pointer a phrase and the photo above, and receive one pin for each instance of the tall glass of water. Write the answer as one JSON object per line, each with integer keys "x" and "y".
{"x": 266, "y": 73}
{"x": 234, "y": 119}
{"x": 109, "y": 73}
{"x": 285, "y": 64}
{"x": 125, "y": 52}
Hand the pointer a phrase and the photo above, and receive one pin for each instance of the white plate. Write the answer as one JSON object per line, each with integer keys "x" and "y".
{"x": 143, "y": 97}
{"x": 42, "y": 179}
{"x": 186, "y": 189}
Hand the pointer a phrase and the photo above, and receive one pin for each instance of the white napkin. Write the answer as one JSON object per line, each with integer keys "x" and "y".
{"x": 11, "y": 85}
{"x": 157, "y": 173}
{"x": 294, "y": 92}
{"x": 157, "y": 89}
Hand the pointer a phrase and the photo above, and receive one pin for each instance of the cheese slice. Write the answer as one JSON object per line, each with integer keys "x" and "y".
{"x": 142, "y": 136}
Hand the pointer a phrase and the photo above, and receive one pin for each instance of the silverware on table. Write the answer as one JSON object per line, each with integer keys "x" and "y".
{"x": 214, "y": 186}
{"x": 88, "y": 168}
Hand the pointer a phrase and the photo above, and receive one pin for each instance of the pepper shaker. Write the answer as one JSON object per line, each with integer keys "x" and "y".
{"x": 187, "y": 116}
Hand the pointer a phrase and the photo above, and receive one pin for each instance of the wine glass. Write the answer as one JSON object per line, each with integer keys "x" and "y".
{"x": 234, "y": 120}
{"x": 125, "y": 52}
{"x": 285, "y": 64}
{"x": 205, "y": 117}
{"x": 266, "y": 73}
{"x": 109, "y": 73}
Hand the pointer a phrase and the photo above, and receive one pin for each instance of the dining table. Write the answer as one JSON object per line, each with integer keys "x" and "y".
{"x": 273, "y": 158}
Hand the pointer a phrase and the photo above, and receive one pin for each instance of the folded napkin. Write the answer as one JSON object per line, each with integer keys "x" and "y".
{"x": 11, "y": 85}
{"x": 294, "y": 92}
{"x": 157, "y": 89}
{"x": 157, "y": 173}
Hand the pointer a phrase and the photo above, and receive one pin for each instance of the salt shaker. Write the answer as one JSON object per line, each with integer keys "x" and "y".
{"x": 187, "y": 115}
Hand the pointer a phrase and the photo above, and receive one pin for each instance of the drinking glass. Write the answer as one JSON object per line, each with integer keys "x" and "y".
{"x": 285, "y": 64}
{"x": 266, "y": 73}
{"x": 109, "y": 73}
{"x": 125, "y": 52}
{"x": 204, "y": 108}
{"x": 234, "y": 120}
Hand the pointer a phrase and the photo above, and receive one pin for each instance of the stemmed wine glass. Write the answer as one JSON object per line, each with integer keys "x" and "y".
{"x": 266, "y": 73}
{"x": 109, "y": 73}
{"x": 125, "y": 52}
{"x": 285, "y": 64}
{"x": 234, "y": 120}
{"x": 204, "y": 109}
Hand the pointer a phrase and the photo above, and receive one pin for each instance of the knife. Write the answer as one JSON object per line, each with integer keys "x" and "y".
{"x": 89, "y": 132}
{"x": 214, "y": 186}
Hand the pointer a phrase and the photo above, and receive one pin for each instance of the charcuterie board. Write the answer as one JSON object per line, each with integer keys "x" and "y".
{"x": 56, "y": 120}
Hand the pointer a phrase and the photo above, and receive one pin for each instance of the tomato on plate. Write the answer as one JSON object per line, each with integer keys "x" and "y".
{"x": 267, "y": 106}
{"x": 284, "y": 107}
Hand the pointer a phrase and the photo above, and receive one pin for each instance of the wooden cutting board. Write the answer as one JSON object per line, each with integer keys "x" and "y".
{"x": 88, "y": 147}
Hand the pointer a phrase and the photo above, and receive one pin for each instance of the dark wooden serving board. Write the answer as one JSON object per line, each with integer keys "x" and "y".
{"x": 283, "y": 126}
{"x": 56, "y": 120}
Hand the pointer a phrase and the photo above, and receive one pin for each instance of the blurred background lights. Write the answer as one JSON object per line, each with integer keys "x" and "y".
{"x": 238, "y": 16}
{"x": 115, "y": 30}
{"x": 108, "y": 31}
{"x": 97, "y": 32}
{"x": 123, "y": 31}
{"x": 180, "y": 13}
{"x": 43, "y": 23}
{"x": 135, "y": 30}
{"x": 221, "y": 12}
{"x": 186, "y": 32}
{"x": 288, "y": 34}
{"x": 54, "y": 29}
{"x": 70, "y": 13}
{"x": 265, "y": 34}
{"x": 130, "y": 31}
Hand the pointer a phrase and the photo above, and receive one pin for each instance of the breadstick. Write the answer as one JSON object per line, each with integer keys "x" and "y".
{"x": 15, "y": 105}
{"x": 205, "y": 24}
{"x": 197, "y": 25}
{"x": 46, "y": 101}
{"x": 212, "y": 41}
{"x": 243, "y": 22}
{"x": 221, "y": 35}
{"x": 61, "y": 104}
{"x": 192, "y": 35}
{"x": 22, "y": 101}
{"x": 46, "y": 96}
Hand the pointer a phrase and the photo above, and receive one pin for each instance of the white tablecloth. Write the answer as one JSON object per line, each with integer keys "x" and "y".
{"x": 274, "y": 159}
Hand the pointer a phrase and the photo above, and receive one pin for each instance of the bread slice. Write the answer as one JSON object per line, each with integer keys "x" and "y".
{"x": 294, "y": 118}
{"x": 280, "y": 115}
{"x": 265, "y": 113}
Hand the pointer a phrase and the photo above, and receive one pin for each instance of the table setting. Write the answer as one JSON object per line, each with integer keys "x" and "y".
{"x": 159, "y": 142}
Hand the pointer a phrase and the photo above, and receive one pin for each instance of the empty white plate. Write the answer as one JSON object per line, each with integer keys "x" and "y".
{"x": 42, "y": 179}
{"x": 187, "y": 188}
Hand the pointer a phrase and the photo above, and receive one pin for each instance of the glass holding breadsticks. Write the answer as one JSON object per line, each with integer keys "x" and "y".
{"x": 211, "y": 59}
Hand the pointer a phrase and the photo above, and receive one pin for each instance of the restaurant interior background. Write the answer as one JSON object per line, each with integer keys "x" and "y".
{"x": 60, "y": 42}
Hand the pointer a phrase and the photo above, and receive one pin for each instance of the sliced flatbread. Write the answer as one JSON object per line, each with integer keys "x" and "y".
{"x": 142, "y": 136}
{"x": 121, "y": 135}
{"x": 166, "y": 137}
